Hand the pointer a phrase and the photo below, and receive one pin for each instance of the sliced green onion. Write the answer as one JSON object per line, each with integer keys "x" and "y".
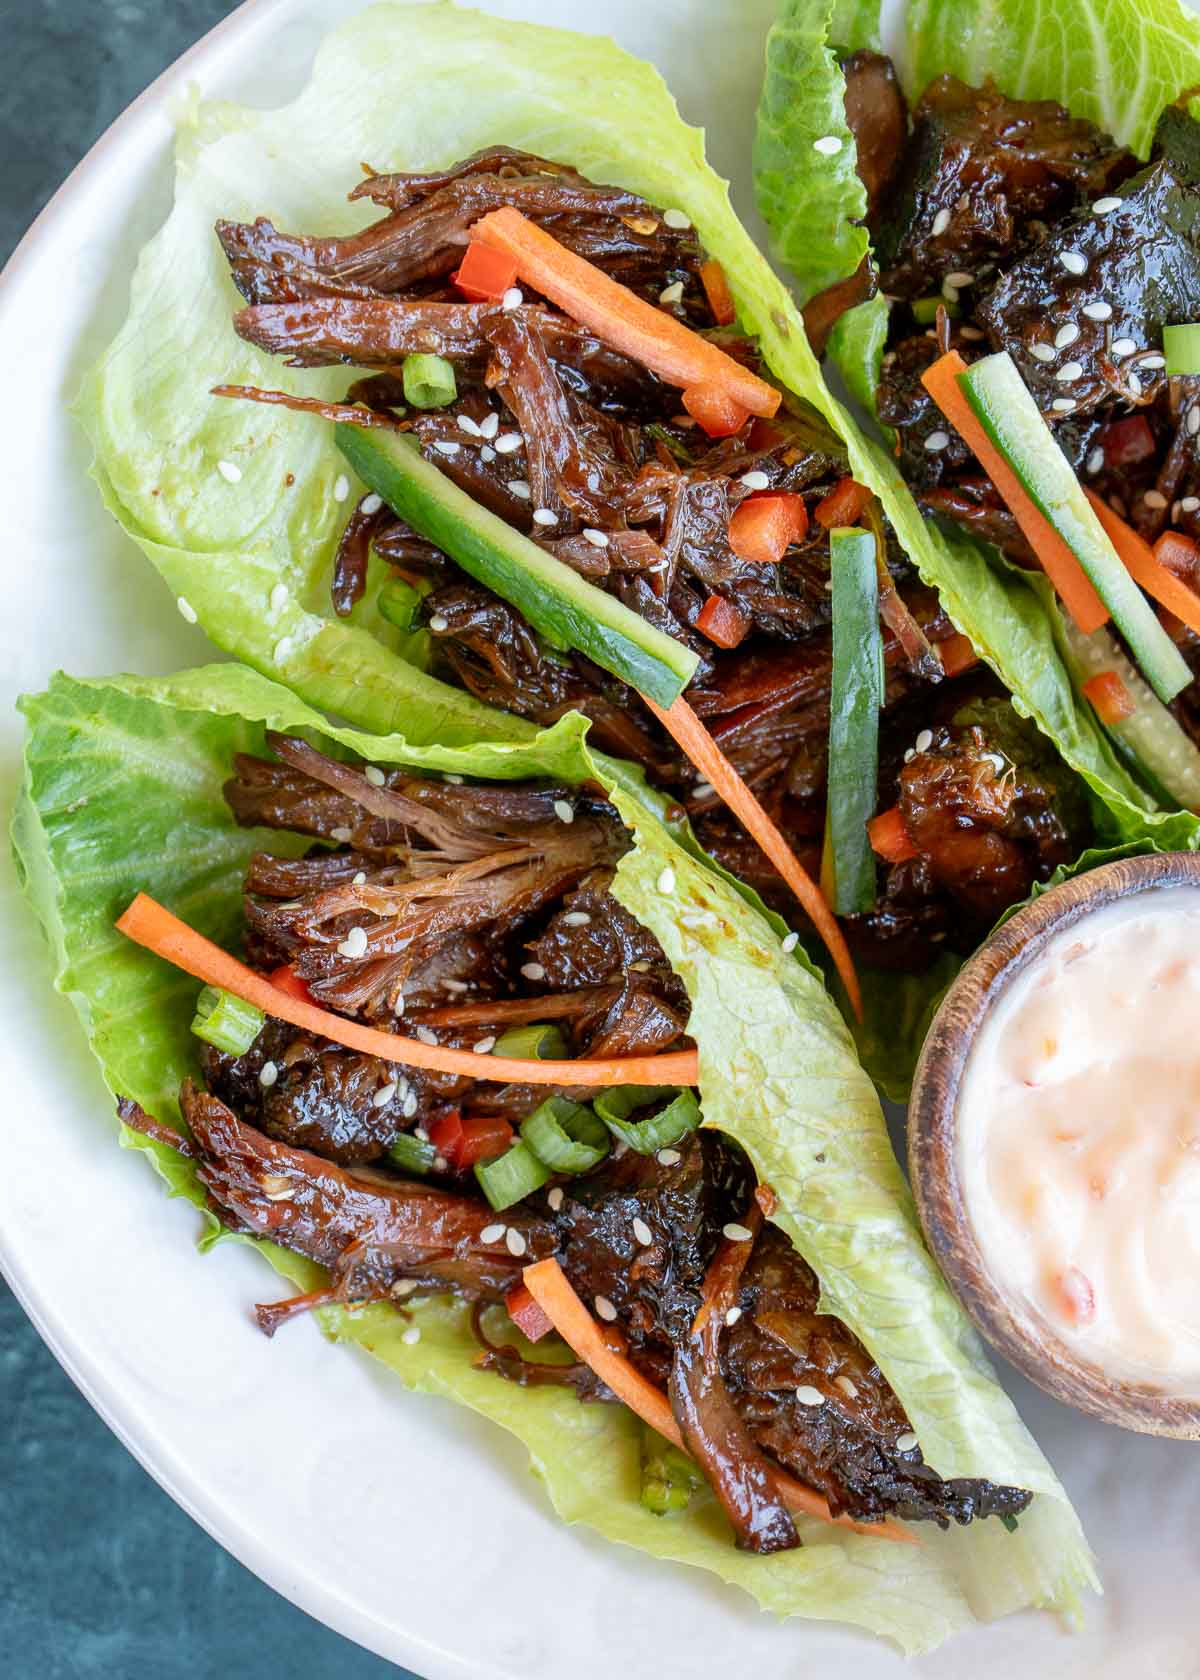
{"x": 226, "y": 1021}
{"x": 856, "y": 696}
{"x": 429, "y": 381}
{"x": 540, "y": 1043}
{"x": 680, "y": 1116}
{"x": 511, "y": 1177}
{"x": 925, "y": 309}
{"x": 1181, "y": 346}
{"x": 565, "y": 1136}
{"x": 412, "y": 1154}
{"x": 669, "y": 1478}
{"x": 399, "y": 603}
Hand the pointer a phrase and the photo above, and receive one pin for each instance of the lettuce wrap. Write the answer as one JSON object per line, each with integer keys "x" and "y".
{"x": 1115, "y": 62}
{"x": 123, "y": 791}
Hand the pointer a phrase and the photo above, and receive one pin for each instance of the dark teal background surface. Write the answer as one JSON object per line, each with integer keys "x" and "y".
{"x": 102, "y": 1577}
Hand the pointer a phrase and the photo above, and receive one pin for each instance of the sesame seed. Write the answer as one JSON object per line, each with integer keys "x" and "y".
{"x": 940, "y": 223}
{"x": 1066, "y": 335}
{"x": 1155, "y": 499}
{"x": 487, "y": 453}
{"x": 545, "y": 516}
{"x": 576, "y": 918}
{"x": 279, "y": 597}
{"x": 426, "y": 1035}
{"x": 1042, "y": 352}
{"x": 734, "y": 1232}
{"x": 374, "y": 775}
{"x": 281, "y": 650}
{"x": 485, "y": 1046}
{"x": 410, "y": 1105}
{"x": 848, "y": 1388}
{"x": 1095, "y": 461}
{"x": 809, "y": 1396}
{"x": 489, "y": 425}
{"x": 755, "y": 479}
{"x": 438, "y": 623}
{"x": 384, "y": 1095}
{"x": 1073, "y": 261}
{"x": 447, "y": 446}
{"x": 960, "y": 278}
{"x": 1063, "y": 405}
{"x": 1135, "y": 385}
{"x": 598, "y": 539}
{"x": 704, "y": 790}
{"x": 555, "y": 1198}
{"x": 459, "y": 986}
{"x": 666, "y": 881}
{"x": 949, "y": 291}
{"x": 466, "y": 424}
{"x": 1193, "y": 421}
{"x": 360, "y": 880}
{"x": 1152, "y": 364}
{"x": 519, "y": 487}
{"x": 1099, "y": 311}
{"x": 676, "y": 219}
{"x": 355, "y": 943}
{"x": 668, "y": 1157}
{"x": 186, "y": 609}
{"x": 643, "y": 1233}
{"x": 508, "y": 442}
{"x": 512, "y": 298}
{"x": 924, "y": 741}
{"x": 398, "y": 1005}
{"x": 604, "y": 1308}
{"x": 267, "y": 1075}
{"x": 411, "y": 1336}
{"x": 533, "y": 971}
{"x": 972, "y": 334}
{"x": 372, "y": 503}
{"x": 732, "y": 1316}
{"x": 936, "y": 441}
{"x": 909, "y": 754}
{"x": 564, "y": 811}
{"x": 493, "y": 1233}
{"x": 454, "y": 781}
{"x": 1103, "y": 206}
{"x": 906, "y": 1442}
{"x": 514, "y": 1242}
{"x": 790, "y": 941}
{"x": 1124, "y": 346}
{"x": 1068, "y": 372}
{"x": 440, "y": 1163}
{"x": 672, "y": 293}
{"x": 1189, "y": 504}
{"x": 829, "y": 145}
{"x": 230, "y": 472}
{"x": 406, "y": 1286}
{"x": 341, "y": 835}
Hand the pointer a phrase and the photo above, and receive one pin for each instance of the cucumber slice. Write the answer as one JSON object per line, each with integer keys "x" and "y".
{"x": 1006, "y": 410}
{"x": 1150, "y": 733}
{"x": 569, "y": 611}
{"x": 856, "y": 696}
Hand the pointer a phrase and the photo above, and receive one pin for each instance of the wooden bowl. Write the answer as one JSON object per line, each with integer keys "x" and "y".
{"x": 1021, "y": 1334}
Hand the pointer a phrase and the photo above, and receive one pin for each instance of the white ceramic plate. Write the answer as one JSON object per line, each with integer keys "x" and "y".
{"x": 406, "y": 1524}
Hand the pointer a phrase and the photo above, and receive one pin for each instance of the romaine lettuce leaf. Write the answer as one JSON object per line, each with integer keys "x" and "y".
{"x": 1141, "y": 56}
{"x": 123, "y": 791}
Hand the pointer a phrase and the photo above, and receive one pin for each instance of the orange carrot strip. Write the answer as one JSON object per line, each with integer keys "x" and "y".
{"x": 957, "y": 654}
{"x": 1140, "y": 561}
{"x": 689, "y": 733}
{"x": 714, "y": 410}
{"x": 844, "y": 505}
{"x": 716, "y": 290}
{"x": 548, "y": 1284}
{"x": 147, "y": 923}
{"x": 1059, "y": 564}
{"x": 617, "y": 315}
{"x": 890, "y": 838}
{"x": 1109, "y": 696}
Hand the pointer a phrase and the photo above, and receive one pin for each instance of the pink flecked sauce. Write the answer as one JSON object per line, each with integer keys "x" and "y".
{"x": 1079, "y": 1137}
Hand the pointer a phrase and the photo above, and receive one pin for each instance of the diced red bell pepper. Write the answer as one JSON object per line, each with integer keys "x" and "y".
{"x": 889, "y": 838}
{"x": 714, "y": 411}
{"x": 762, "y": 527}
{"x": 957, "y": 654}
{"x": 480, "y": 1139}
{"x": 1110, "y": 698}
{"x": 716, "y": 290}
{"x": 485, "y": 275}
{"x": 446, "y": 1134}
{"x": 1180, "y": 554}
{"x": 525, "y": 1313}
{"x": 845, "y": 505}
{"x": 287, "y": 980}
{"x": 722, "y": 622}
{"x": 1126, "y": 442}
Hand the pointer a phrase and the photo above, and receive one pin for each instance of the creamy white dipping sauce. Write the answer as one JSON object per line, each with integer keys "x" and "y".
{"x": 1079, "y": 1137}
